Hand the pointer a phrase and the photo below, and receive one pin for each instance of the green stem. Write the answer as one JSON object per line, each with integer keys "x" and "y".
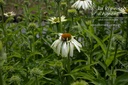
{"x": 36, "y": 82}
{"x": 59, "y": 75}
{"x": 68, "y": 4}
{"x": 68, "y": 70}
{"x": 72, "y": 21}
{"x": 26, "y": 14}
{"x": 68, "y": 29}
{"x": 114, "y": 62}
{"x": 1, "y": 80}
{"x": 2, "y": 25}
{"x": 2, "y": 14}
{"x": 68, "y": 64}
{"x": 59, "y": 13}
{"x": 127, "y": 35}
{"x": 40, "y": 15}
{"x": 57, "y": 26}
{"x": 33, "y": 40}
{"x": 109, "y": 43}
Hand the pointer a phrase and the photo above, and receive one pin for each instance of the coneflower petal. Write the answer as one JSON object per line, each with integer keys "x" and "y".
{"x": 59, "y": 48}
{"x": 64, "y": 51}
{"x": 71, "y": 49}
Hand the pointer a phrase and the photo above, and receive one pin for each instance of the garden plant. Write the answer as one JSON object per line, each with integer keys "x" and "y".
{"x": 63, "y": 42}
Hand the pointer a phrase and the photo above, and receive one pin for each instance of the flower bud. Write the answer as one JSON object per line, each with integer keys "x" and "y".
{"x": 15, "y": 78}
{"x": 32, "y": 26}
{"x": 63, "y": 4}
{"x": 72, "y": 11}
{"x": 35, "y": 72}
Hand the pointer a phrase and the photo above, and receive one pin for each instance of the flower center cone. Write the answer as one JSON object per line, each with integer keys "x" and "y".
{"x": 66, "y": 36}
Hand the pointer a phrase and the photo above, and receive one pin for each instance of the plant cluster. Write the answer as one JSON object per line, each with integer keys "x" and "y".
{"x": 63, "y": 42}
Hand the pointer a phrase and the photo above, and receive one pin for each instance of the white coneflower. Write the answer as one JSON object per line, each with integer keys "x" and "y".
{"x": 84, "y": 4}
{"x": 9, "y": 14}
{"x": 65, "y": 45}
{"x": 56, "y": 19}
{"x": 123, "y": 10}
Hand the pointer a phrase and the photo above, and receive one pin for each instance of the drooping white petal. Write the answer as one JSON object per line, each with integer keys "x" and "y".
{"x": 89, "y": 2}
{"x": 64, "y": 51}
{"x": 80, "y": 4}
{"x": 71, "y": 49}
{"x": 55, "y": 43}
{"x": 84, "y": 6}
{"x": 75, "y": 4}
{"x": 59, "y": 48}
{"x": 76, "y": 44}
{"x": 68, "y": 48}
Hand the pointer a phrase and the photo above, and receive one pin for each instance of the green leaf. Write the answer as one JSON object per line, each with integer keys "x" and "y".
{"x": 33, "y": 54}
{"x": 102, "y": 45}
{"x": 122, "y": 80}
{"x": 110, "y": 58}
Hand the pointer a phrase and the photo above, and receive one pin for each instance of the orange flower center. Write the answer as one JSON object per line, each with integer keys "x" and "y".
{"x": 66, "y": 36}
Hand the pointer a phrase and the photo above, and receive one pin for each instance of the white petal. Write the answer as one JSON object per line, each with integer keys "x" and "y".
{"x": 84, "y": 5}
{"x": 64, "y": 51}
{"x": 89, "y": 2}
{"x": 60, "y": 34}
{"x": 71, "y": 49}
{"x": 55, "y": 43}
{"x": 68, "y": 48}
{"x": 63, "y": 19}
{"x": 59, "y": 48}
{"x": 75, "y": 5}
{"x": 76, "y": 44}
{"x": 80, "y": 4}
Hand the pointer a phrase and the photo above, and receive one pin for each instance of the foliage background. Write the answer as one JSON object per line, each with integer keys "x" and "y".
{"x": 30, "y": 60}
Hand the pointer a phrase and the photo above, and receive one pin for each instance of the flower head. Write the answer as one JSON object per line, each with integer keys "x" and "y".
{"x": 36, "y": 72}
{"x": 123, "y": 10}
{"x": 9, "y": 14}
{"x": 32, "y": 26}
{"x": 65, "y": 45}
{"x": 72, "y": 11}
{"x": 84, "y": 4}
{"x": 63, "y": 4}
{"x": 56, "y": 19}
{"x": 15, "y": 78}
